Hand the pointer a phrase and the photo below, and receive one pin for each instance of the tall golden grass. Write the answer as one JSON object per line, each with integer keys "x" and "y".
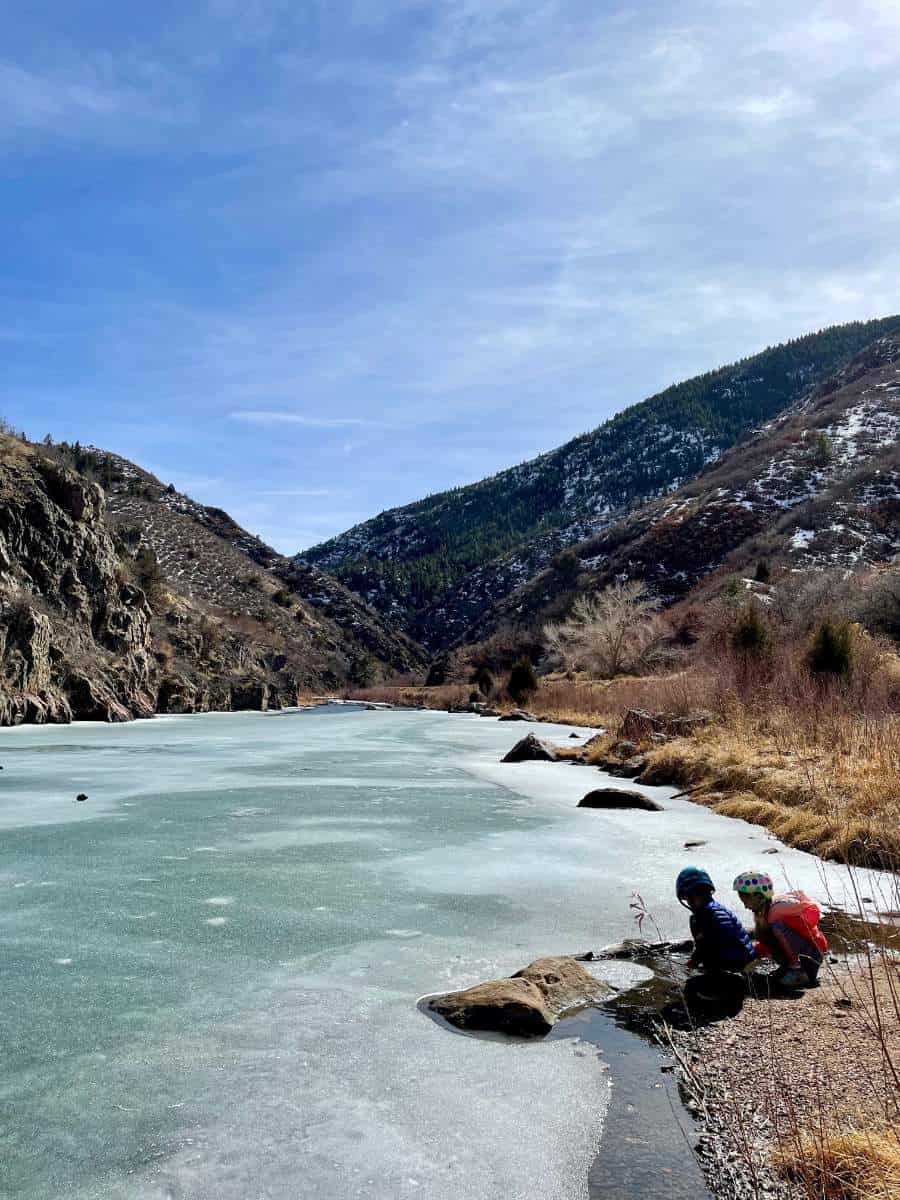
{"x": 816, "y": 761}
{"x": 859, "y": 1165}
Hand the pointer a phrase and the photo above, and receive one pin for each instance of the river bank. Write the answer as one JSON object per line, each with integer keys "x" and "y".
{"x": 822, "y": 774}
{"x": 778, "y": 1147}
{"x": 799, "y": 1098}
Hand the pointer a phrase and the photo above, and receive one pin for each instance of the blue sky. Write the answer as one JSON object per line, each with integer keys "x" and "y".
{"x": 309, "y": 260}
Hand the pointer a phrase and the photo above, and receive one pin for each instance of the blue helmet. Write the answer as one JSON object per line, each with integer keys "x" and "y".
{"x": 690, "y": 878}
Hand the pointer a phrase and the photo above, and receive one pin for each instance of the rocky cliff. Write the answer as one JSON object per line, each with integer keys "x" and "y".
{"x": 123, "y": 601}
{"x": 75, "y": 638}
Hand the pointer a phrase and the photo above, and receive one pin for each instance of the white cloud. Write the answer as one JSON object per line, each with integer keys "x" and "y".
{"x": 266, "y": 417}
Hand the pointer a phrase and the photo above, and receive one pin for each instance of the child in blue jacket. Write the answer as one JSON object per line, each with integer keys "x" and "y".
{"x": 722, "y": 946}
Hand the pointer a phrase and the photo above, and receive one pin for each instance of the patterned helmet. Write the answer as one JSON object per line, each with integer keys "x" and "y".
{"x": 690, "y": 878}
{"x": 754, "y": 883}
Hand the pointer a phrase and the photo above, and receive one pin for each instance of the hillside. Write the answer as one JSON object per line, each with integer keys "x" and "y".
{"x": 434, "y": 566}
{"x": 127, "y": 599}
{"x": 204, "y": 553}
{"x": 816, "y": 488}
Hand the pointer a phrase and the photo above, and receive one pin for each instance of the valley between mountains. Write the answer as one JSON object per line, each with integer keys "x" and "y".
{"x": 123, "y": 597}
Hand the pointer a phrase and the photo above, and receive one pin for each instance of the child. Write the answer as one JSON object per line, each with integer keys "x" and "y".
{"x": 722, "y": 947}
{"x": 787, "y": 929}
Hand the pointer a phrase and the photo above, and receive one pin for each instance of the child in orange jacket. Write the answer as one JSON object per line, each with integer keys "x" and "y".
{"x": 787, "y": 928}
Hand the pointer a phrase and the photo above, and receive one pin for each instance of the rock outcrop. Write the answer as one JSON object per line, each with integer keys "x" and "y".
{"x": 74, "y": 631}
{"x": 527, "y": 1004}
{"x": 639, "y": 725}
{"x": 157, "y": 606}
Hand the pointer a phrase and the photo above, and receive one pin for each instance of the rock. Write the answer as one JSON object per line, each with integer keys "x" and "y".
{"x": 638, "y": 724}
{"x": 693, "y": 845}
{"x": 771, "y": 850}
{"x": 176, "y": 695}
{"x": 623, "y": 749}
{"x": 531, "y": 749}
{"x": 490, "y": 712}
{"x": 636, "y": 949}
{"x": 518, "y": 714}
{"x": 619, "y": 798}
{"x": 689, "y": 724}
{"x": 91, "y": 700}
{"x": 574, "y": 735}
{"x": 81, "y": 796}
{"x": 628, "y": 769}
{"x": 526, "y": 1005}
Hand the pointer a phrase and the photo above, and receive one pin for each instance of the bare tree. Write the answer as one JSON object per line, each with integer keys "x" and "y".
{"x": 615, "y": 631}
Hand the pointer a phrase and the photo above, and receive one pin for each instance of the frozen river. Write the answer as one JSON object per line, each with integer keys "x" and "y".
{"x": 209, "y": 968}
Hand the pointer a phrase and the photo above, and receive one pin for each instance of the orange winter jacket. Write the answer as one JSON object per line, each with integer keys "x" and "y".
{"x": 799, "y": 913}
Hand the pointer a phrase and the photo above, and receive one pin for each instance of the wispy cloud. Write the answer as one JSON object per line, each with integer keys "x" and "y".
{"x": 274, "y": 417}
{"x": 306, "y": 492}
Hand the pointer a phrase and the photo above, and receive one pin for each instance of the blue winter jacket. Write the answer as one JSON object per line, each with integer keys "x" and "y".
{"x": 721, "y": 943}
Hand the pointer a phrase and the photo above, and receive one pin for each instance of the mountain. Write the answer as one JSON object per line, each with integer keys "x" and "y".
{"x": 433, "y": 567}
{"x": 130, "y": 598}
{"x": 816, "y": 488}
{"x": 204, "y": 552}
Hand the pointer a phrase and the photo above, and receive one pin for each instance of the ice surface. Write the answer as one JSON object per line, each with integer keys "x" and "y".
{"x": 217, "y": 997}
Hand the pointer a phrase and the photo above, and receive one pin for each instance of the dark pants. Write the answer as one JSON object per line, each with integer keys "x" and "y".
{"x": 807, "y": 952}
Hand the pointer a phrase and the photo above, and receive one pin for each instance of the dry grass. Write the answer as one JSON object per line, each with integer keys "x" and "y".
{"x": 817, "y": 764}
{"x": 861, "y": 1165}
{"x": 832, "y": 788}
{"x": 451, "y": 697}
{"x": 604, "y": 702}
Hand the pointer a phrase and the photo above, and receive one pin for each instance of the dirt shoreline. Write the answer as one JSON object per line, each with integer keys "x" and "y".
{"x": 786, "y": 1076}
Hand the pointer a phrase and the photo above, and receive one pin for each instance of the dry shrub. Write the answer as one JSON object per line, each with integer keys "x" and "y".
{"x": 614, "y": 631}
{"x": 860, "y": 1165}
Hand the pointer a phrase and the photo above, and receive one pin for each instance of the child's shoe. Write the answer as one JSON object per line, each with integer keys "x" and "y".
{"x": 791, "y": 977}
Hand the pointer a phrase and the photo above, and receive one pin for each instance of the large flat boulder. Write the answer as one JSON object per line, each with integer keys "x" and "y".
{"x": 531, "y": 749}
{"x": 618, "y": 798}
{"x": 527, "y": 1004}
{"x": 518, "y": 714}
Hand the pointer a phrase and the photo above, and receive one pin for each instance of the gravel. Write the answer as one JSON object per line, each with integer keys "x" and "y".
{"x": 819, "y": 1062}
